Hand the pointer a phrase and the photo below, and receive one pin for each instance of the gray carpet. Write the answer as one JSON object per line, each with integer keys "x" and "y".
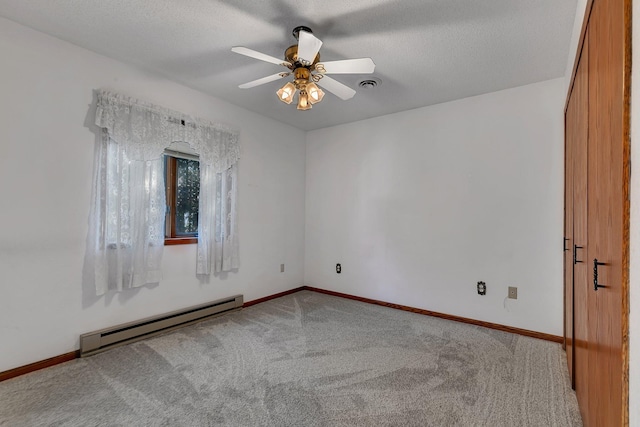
{"x": 306, "y": 359}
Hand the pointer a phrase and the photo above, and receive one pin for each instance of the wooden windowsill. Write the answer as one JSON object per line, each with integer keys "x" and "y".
{"x": 180, "y": 240}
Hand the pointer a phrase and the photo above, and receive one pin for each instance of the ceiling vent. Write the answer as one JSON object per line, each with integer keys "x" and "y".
{"x": 369, "y": 83}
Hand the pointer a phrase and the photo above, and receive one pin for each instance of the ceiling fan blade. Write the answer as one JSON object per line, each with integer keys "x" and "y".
{"x": 348, "y": 66}
{"x": 263, "y": 80}
{"x": 308, "y": 47}
{"x": 336, "y": 88}
{"x": 257, "y": 55}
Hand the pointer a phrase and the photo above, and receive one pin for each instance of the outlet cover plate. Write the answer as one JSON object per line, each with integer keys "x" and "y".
{"x": 482, "y": 288}
{"x": 513, "y": 292}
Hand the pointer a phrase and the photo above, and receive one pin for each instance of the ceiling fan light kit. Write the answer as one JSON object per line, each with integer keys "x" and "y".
{"x": 303, "y": 62}
{"x": 309, "y": 93}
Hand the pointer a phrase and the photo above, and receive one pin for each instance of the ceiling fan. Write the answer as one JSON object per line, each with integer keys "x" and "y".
{"x": 303, "y": 61}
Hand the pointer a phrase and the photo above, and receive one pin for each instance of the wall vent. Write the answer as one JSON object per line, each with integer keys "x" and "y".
{"x": 105, "y": 339}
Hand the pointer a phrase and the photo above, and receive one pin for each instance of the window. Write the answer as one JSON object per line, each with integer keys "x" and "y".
{"x": 182, "y": 182}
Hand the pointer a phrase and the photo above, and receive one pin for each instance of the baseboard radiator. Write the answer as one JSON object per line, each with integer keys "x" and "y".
{"x": 105, "y": 339}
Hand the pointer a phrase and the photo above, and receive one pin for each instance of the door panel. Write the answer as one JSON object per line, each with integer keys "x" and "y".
{"x": 605, "y": 210}
{"x": 571, "y": 118}
{"x": 580, "y": 269}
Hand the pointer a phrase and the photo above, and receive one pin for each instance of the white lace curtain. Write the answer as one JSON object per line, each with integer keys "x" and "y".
{"x": 126, "y": 236}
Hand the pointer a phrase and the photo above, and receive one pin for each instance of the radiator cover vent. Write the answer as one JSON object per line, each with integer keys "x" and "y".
{"x": 105, "y": 339}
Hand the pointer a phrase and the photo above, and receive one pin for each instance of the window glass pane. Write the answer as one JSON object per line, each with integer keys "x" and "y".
{"x": 187, "y": 191}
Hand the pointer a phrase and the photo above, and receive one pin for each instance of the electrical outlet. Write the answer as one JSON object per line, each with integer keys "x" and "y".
{"x": 482, "y": 288}
{"x": 281, "y": 268}
{"x": 513, "y": 292}
{"x": 338, "y": 268}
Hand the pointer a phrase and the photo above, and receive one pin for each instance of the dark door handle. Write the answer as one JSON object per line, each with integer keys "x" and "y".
{"x": 564, "y": 244}
{"x": 596, "y": 285}
{"x": 575, "y": 253}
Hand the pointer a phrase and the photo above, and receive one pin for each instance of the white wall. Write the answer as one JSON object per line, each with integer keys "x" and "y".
{"x": 634, "y": 321}
{"x": 418, "y": 206}
{"x": 46, "y": 163}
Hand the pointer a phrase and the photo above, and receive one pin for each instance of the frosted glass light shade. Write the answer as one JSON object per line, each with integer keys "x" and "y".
{"x": 303, "y": 101}
{"x": 286, "y": 92}
{"x": 315, "y": 93}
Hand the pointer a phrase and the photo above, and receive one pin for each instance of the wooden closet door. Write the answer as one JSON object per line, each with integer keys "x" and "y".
{"x": 571, "y": 118}
{"x": 607, "y": 203}
{"x": 580, "y": 100}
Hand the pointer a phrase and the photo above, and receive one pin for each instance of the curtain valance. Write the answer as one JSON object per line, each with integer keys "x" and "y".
{"x": 146, "y": 130}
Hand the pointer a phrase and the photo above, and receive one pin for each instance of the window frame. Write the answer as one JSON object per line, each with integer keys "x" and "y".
{"x": 170, "y": 172}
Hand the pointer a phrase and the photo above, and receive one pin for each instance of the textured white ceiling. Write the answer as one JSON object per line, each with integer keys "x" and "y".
{"x": 426, "y": 51}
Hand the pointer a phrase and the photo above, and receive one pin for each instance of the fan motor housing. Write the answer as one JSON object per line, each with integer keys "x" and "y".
{"x": 291, "y": 55}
